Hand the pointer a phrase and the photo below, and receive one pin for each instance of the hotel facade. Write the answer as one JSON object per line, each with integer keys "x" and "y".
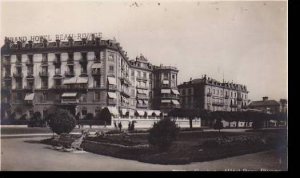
{"x": 83, "y": 77}
{"x": 208, "y": 94}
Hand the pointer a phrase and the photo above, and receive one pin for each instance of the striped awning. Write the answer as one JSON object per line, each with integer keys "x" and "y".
{"x": 81, "y": 80}
{"x": 140, "y": 101}
{"x": 69, "y": 95}
{"x": 112, "y": 80}
{"x": 165, "y": 101}
{"x": 165, "y": 82}
{"x": 145, "y": 101}
{"x": 175, "y": 102}
{"x": 112, "y": 95}
{"x": 113, "y": 111}
{"x": 157, "y": 113}
{"x": 140, "y": 112}
{"x": 29, "y": 97}
{"x": 96, "y": 65}
{"x": 175, "y": 92}
{"x": 165, "y": 90}
{"x": 70, "y": 80}
{"x": 124, "y": 111}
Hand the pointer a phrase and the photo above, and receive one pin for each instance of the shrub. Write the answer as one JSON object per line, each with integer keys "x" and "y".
{"x": 89, "y": 116}
{"x": 104, "y": 115}
{"x": 61, "y": 121}
{"x": 36, "y": 120}
{"x": 163, "y": 133}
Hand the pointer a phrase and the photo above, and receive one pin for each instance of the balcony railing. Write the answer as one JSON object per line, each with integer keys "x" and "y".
{"x": 112, "y": 87}
{"x": 69, "y": 74}
{"x": 18, "y": 63}
{"x": 96, "y": 72}
{"x": 57, "y": 62}
{"x": 142, "y": 96}
{"x": 112, "y": 101}
{"x": 28, "y": 87}
{"x": 18, "y": 75}
{"x": 217, "y": 104}
{"x": 142, "y": 105}
{"x": 44, "y": 87}
{"x": 170, "y": 96}
{"x": 44, "y": 63}
{"x": 69, "y": 100}
{"x": 141, "y": 78}
{"x": 43, "y": 74}
{"x": 29, "y": 63}
{"x": 83, "y": 61}
{"x": 142, "y": 87}
{"x": 70, "y": 62}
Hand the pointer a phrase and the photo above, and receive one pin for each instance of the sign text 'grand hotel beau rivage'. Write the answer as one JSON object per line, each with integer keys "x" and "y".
{"x": 62, "y": 37}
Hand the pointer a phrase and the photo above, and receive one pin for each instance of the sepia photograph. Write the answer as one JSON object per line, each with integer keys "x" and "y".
{"x": 136, "y": 85}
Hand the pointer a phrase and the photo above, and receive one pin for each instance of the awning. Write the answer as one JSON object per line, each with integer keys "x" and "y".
{"x": 112, "y": 80}
{"x": 165, "y": 101}
{"x": 113, "y": 110}
{"x": 140, "y": 101}
{"x": 70, "y": 80}
{"x": 96, "y": 65}
{"x": 69, "y": 95}
{"x": 165, "y": 91}
{"x": 175, "y": 102}
{"x": 140, "y": 91}
{"x": 29, "y": 97}
{"x": 131, "y": 113}
{"x": 124, "y": 111}
{"x": 112, "y": 95}
{"x": 82, "y": 80}
{"x": 141, "y": 113}
{"x": 175, "y": 92}
{"x": 145, "y": 101}
{"x": 157, "y": 113}
{"x": 165, "y": 81}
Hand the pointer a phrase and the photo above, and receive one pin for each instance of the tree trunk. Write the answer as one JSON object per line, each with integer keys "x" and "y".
{"x": 229, "y": 124}
{"x": 237, "y": 124}
{"x": 191, "y": 123}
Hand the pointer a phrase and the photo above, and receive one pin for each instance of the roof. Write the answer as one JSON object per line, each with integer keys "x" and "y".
{"x": 264, "y": 103}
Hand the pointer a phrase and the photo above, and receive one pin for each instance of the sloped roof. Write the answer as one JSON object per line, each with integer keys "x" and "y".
{"x": 264, "y": 103}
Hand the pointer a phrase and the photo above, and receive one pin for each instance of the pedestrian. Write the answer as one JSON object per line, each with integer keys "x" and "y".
{"x": 115, "y": 124}
{"x": 120, "y": 126}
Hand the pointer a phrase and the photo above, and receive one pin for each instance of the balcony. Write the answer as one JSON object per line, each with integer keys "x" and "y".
{"x": 57, "y": 62}
{"x": 125, "y": 80}
{"x": 70, "y": 62}
{"x": 6, "y": 63}
{"x": 30, "y": 76}
{"x": 142, "y": 96}
{"x": 96, "y": 72}
{"x": 28, "y": 87}
{"x": 83, "y": 74}
{"x": 142, "y": 87}
{"x": 112, "y": 101}
{"x": 69, "y": 74}
{"x": 125, "y": 92}
{"x": 57, "y": 75}
{"x": 112, "y": 87}
{"x": 44, "y": 74}
{"x": 217, "y": 104}
{"x": 83, "y": 61}
{"x": 29, "y": 63}
{"x": 233, "y": 105}
{"x": 69, "y": 100}
{"x": 44, "y": 63}
{"x": 208, "y": 94}
{"x": 44, "y": 87}
{"x": 18, "y": 75}
{"x": 18, "y": 63}
{"x": 169, "y": 96}
{"x": 7, "y": 77}
{"x": 57, "y": 87}
{"x": 141, "y": 78}
{"x": 141, "y": 105}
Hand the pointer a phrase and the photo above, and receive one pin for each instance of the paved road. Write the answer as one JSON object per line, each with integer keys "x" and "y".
{"x": 25, "y": 154}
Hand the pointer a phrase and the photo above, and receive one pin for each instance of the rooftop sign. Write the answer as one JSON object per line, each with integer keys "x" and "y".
{"x": 62, "y": 37}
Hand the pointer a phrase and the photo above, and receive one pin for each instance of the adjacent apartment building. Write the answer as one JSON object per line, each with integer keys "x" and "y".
{"x": 270, "y": 106}
{"x": 209, "y": 94}
{"x": 83, "y": 77}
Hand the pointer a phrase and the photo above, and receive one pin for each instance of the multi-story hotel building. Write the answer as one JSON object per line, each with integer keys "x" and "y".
{"x": 82, "y": 76}
{"x": 208, "y": 94}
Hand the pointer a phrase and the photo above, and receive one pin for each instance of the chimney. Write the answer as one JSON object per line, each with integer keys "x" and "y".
{"x": 265, "y": 98}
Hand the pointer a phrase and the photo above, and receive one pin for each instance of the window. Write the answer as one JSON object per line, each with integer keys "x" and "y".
{"x": 57, "y": 82}
{"x": 97, "y": 82}
{"x": 97, "y": 96}
{"x": 45, "y": 96}
{"x": 110, "y": 56}
{"x": 144, "y": 74}
{"x": 139, "y": 73}
{"x": 213, "y": 91}
{"x": 111, "y": 68}
{"x": 190, "y": 91}
{"x": 231, "y": 94}
{"x": 132, "y": 73}
{"x": 173, "y": 76}
{"x": 44, "y": 83}
{"x": 83, "y": 97}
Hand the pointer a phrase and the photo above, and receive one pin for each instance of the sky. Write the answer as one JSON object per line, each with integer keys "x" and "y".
{"x": 238, "y": 41}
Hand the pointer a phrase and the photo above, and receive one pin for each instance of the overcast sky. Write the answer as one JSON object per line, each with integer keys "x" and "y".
{"x": 245, "y": 41}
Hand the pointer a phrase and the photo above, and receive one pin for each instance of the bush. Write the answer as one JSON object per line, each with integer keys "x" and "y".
{"x": 218, "y": 125}
{"x": 163, "y": 133}
{"x": 104, "y": 115}
{"x": 36, "y": 120}
{"x": 61, "y": 121}
{"x": 89, "y": 116}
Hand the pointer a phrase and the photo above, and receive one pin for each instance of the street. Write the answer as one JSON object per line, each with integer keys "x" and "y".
{"x": 25, "y": 154}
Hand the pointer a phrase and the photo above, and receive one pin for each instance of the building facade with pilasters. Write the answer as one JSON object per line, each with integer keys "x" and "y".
{"x": 81, "y": 76}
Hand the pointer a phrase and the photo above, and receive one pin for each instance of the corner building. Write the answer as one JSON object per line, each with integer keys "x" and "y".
{"x": 83, "y": 77}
